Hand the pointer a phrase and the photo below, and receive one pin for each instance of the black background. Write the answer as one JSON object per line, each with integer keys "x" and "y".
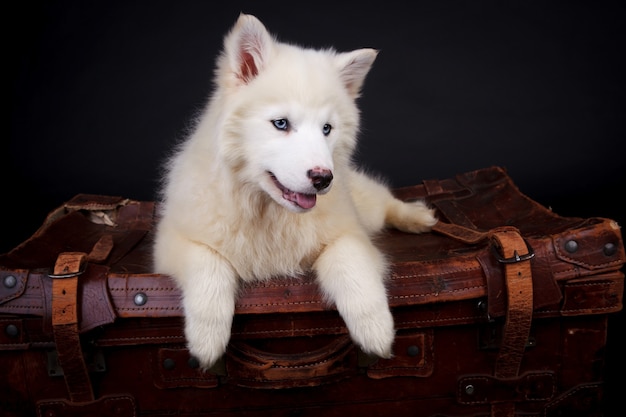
{"x": 99, "y": 91}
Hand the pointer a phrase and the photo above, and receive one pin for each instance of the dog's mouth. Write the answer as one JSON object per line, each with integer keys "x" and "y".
{"x": 302, "y": 200}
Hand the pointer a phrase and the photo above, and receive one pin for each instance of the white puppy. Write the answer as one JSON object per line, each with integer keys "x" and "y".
{"x": 265, "y": 187}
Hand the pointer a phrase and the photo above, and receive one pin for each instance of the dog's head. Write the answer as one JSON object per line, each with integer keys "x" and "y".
{"x": 289, "y": 113}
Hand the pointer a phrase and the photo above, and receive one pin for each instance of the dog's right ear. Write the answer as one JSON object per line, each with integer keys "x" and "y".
{"x": 247, "y": 48}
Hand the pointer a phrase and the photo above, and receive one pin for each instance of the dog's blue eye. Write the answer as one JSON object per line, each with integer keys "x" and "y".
{"x": 326, "y": 129}
{"x": 281, "y": 124}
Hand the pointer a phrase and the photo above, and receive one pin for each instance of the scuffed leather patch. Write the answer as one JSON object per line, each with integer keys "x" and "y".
{"x": 414, "y": 357}
{"x": 176, "y": 368}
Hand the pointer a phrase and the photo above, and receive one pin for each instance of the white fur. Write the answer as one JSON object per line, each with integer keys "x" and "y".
{"x": 224, "y": 218}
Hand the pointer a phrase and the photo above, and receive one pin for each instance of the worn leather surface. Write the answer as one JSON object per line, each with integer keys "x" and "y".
{"x": 462, "y": 318}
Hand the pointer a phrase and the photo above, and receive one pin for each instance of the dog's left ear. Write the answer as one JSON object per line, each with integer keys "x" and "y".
{"x": 354, "y": 66}
{"x": 247, "y": 48}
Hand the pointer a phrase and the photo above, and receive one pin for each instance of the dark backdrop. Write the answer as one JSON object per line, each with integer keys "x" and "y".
{"x": 99, "y": 91}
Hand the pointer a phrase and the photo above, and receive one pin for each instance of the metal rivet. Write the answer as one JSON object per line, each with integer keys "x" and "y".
{"x": 10, "y": 281}
{"x": 610, "y": 249}
{"x": 482, "y": 306}
{"x": 413, "y": 350}
{"x": 469, "y": 389}
{"x": 11, "y": 330}
{"x": 169, "y": 364}
{"x": 140, "y": 299}
{"x": 193, "y": 363}
{"x": 571, "y": 246}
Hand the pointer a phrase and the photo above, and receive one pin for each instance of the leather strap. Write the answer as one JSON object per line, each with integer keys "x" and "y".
{"x": 68, "y": 267}
{"x": 101, "y": 250}
{"x": 460, "y": 233}
{"x": 516, "y": 255}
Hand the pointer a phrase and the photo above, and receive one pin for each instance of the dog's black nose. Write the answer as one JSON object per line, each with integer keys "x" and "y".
{"x": 321, "y": 178}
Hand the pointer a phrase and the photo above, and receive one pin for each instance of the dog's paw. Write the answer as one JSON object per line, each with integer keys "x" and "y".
{"x": 207, "y": 339}
{"x": 413, "y": 217}
{"x": 373, "y": 333}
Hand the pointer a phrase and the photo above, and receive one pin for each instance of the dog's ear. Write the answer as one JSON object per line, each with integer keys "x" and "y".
{"x": 247, "y": 48}
{"x": 354, "y": 66}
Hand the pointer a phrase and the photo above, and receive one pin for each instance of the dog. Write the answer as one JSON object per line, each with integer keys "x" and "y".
{"x": 265, "y": 186}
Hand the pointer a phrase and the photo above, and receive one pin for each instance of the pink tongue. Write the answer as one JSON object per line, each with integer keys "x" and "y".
{"x": 306, "y": 201}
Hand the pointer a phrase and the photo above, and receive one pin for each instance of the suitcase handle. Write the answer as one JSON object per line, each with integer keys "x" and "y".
{"x": 253, "y": 368}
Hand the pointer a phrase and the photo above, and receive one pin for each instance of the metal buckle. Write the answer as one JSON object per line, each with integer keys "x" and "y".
{"x": 70, "y": 274}
{"x": 516, "y": 257}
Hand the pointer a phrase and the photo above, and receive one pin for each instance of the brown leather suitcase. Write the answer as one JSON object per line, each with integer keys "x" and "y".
{"x": 502, "y": 310}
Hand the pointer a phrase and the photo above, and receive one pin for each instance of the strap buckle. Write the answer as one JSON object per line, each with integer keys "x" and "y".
{"x": 69, "y": 265}
{"x": 516, "y": 257}
{"x": 83, "y": 267}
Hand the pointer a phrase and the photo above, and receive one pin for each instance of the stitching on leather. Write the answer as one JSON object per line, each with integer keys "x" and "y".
{"x": 131, "y": 399}
{"x": 47, "y": 404}
{"x": 279, "y": 304}
{"x": 606, "y": 283}
{"x": 554, "y": 404}
{"x": 577, "y": 273}
{"x": 210, "y": 378}
{"x": 611, "y": 307}
{"x": 12, "y": 296}
{"x": 277, "y": 284}
{"x": 290, "y": 331}
{"x": 436, "y": 293}
{"x": 533, "y": 376}
{"x": 431, "y": 321}
{"x": 148, "y": 308}
{"x": 107, "y": 399}
{"x": 450, "y": 272}
{"x": 576, "y": 261}
{"x": 10, "y": 307}
{"x": 460, "y": 393}
{"x": 132, "y": 289}
{"x": 125, "y": 339}
{"x": 394, "y": 297}
{"x": 567, "y": 271}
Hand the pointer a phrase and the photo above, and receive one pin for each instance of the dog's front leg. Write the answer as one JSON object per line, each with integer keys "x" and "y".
{"x": 209, "y": 290}
{"x": 351, "y": 274}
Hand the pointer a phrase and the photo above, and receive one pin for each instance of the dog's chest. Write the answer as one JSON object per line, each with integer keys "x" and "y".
{"x": 271, "y": 246}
